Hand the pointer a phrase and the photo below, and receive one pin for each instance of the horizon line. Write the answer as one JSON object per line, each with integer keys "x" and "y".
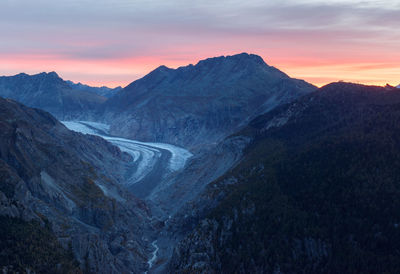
{"x": 316, "y": 80}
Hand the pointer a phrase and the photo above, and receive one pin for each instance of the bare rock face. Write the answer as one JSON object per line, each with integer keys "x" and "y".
{"x": 199, "y": 104}
{"x": 52, "y": 175}
{"x": 49, "y": 92}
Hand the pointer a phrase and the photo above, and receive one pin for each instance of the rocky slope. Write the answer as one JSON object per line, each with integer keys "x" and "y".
{"x": 199, "y": 104}
{"x": 315, "y": 192}
{"x": 49, "y": 92}
{"x": 63, "y": 187}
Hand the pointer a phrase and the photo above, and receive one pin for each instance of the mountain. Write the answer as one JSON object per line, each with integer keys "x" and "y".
{"x": 49, "y": 92}
{"x": 316, "y": 191}
{"x": 102, "y": 91}
{"x": 61, "y": 205}
{"x": 199, "y": 103}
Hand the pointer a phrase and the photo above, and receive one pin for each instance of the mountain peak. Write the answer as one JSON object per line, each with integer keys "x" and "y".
{"x": 47, "y": 91}
{"x": 51, "y": 74}
{"x": 341, "y": 85}
{"x": 161, "y": 69}
{"x": 248, "y": 56}
{"x": 234, "y": 59}
{"x": 237, "y": 62}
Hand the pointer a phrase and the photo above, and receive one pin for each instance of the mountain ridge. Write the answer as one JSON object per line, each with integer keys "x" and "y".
{"x": 313, "y": 193}
{"x": 211, "y": 98}
{"x": 49, "y": 92}
{"x": 102, "y": 91}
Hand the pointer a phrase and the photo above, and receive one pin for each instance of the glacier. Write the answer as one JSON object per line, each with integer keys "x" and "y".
{"x": 145, "y": 154}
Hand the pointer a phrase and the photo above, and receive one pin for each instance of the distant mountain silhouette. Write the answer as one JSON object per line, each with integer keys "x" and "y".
{"x": 49, "y": 92}
{"x": 102, "y": 91}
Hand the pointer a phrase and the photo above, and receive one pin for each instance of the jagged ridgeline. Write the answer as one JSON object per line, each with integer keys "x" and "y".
{"x": 316, "y": 192}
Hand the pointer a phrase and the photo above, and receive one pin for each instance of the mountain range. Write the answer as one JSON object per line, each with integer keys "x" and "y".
{"x": 281, "y": 177}
{"x": 212, "y": 98}
{"x": 49, "y": 92}
{"x": 102, "y": 91}
{"x": 199, "y": 103}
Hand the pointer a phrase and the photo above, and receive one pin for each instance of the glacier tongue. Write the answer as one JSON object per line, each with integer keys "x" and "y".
{"x": 145, "y": 155}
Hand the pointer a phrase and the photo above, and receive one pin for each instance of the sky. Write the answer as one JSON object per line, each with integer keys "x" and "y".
{"x": 114, "y": 42}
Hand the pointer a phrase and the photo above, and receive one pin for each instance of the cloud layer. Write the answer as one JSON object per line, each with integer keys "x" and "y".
{"x": 116, "y": 41}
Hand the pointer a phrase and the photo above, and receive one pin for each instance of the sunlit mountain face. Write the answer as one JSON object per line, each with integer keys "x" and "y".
{"x": 114, "y": 43}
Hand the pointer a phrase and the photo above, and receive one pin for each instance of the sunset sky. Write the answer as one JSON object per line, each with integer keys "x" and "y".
{"x": 113, "y": 42}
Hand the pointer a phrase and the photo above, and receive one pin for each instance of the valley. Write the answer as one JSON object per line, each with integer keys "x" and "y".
{"x": 151, "y": 164}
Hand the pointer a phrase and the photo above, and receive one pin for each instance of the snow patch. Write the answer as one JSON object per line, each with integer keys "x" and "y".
{"x": 154, "y": 254}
